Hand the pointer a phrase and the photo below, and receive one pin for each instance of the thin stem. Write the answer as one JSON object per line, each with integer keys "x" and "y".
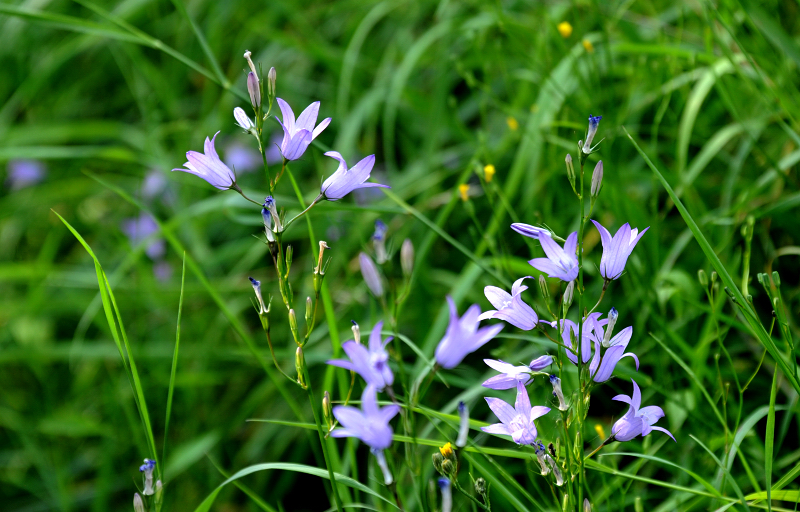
{"x": 313, "y": 203}
{"x": 468, "y": 495}
{"x": 579, "y": 425}
{"x": 275, "y": 359}
{"x": 602, "y": 294}
{"x": 239, "y": 190}
{"x": 598, "y": 448}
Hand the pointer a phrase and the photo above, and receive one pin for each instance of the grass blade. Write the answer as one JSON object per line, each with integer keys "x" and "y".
{"x": 769, "y": 443}
{"x": 174, "y": 369}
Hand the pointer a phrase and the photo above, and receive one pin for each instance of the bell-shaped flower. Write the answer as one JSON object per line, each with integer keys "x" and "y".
{"x": 530, "y": 231}
{"x": 592, "y": 331}
{"x": 517, "y": 421}
{"x": 560, "y": 263}
{"x": 510, "y": 307}
{"x": 601, "y": 370}
{"x": 345, "y": 180}
{"x": 370, "y": 423}
{"x": 243, "y": 120}
{"x": 297, "y": 135}
{"x": 208, "y": 166}
{"x": 617, "y": 249}
{"x": 638, "y": 420}
{"x": 371, "y": 362}
{"x": 463, "y": 336}
{"x": 509, "y": 376}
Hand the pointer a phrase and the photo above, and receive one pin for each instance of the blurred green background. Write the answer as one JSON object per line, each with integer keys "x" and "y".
{"x": 99, "y": 101}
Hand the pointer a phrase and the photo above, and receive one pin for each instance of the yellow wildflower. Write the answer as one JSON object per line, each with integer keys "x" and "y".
{"x": 512, "y": 123}
{"x": 600, "y": 432}
{"x": 588, "y": 46}
{"x": 488, "y": 173}
{"x": 447, "y": 451}
{"x": 565, "y": 29}
{"x": 463, "y": 189}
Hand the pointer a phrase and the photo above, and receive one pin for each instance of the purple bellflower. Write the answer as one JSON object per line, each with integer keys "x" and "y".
{"x": 371, "y": 363}
{"x": 616, "y": 250}
{"x": 139, "y": 228}
{"x": 510, "y": 307}
{"x": 560, "y": 263}
{"x": 601, "y": 370}
{"x": 463, "y": 336}
{"x": 594, "y": 121}
{"x": 370, "y": 423}
{"x": 638, "y": 420}
{"x": 370, "y": 273}
{"x": 592, "y": 332}
{"x": 345, "y": 180}
{"x": 530, "y": 231}
{"x": 511, "y": 374}
{"x": 517, "y": 421}
{"x": 24, "y": 173}
{"x": 297, "y": 135}
{"x": 208, "y": 166}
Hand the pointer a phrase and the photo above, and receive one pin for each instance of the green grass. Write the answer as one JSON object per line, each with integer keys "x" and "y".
{"x": 700, "y": 132}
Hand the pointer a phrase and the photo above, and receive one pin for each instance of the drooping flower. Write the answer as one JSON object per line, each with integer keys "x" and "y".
{"x": 24, "y": 173}
{"x": 297, "y": 135}
{"x": 517, "y": 421}
{"x": 345, "y": 180}
{"x": 208, "y": 166}
{"x": 592, "y": 331}
{"x": 637, "y": 421}
{"x": 509, "y": 376}
{"x": 616, "y": 250}
{"x": 530, "y": 231}
{"x": 510, "y": 307}
{"x": 560, "y": 263}
{"x": 371, "y": 363}
{"x": 601, "y": 370}
{"x": 370, "y": 424}
{"x": 370, "y": 274}
{"x": 147, "y": 468}
{"x": 587, "y": 144}
{"x": 463, "y": 336}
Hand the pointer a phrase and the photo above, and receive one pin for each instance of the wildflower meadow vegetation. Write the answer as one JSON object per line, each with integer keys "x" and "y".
{"x": 399, "y": 255}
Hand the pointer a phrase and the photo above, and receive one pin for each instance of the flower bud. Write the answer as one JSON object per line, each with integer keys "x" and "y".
{"x": 480, "y": 486}
{"x": 370, "y": 274}
{"x": 488, "y": 173}
{"x": 327, "y": 410}
{"x": 138, "y": 504}
{"x": 299, "y": 365}
{"x": 587, "y": 144}
{"x": 543, "y": 286}
{"x": 243, "y": 120}
{"x": 463, "y": 425}
{"x": 540, "y": 363}
{"x": 309, "y": 312}
{"x": 702, "y": 277}
{"x": 570, "y": 170}
{"x": 776, "y": 278}
{"x": 254, "y": 89}
{"x": 587, "y": 507}
{"x": 379, "y": 242}
{"x": 597, "y": 179}
{"x": 562, "y": 403}
{"x": 448, "y": 467}
{"x": 159, "y": 490}
{"x": 356, "y": 332}
{"x": 568, "y": 294}
{"x": 272, "y": 77}
{"x": 437, "y": 460}
{"x": 713, "y": 277}
{"x": 289, "y": 255}
{"x": 407, "y": 257}
{"x": 612, "y": 319}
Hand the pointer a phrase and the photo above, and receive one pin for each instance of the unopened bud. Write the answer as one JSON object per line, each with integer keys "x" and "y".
{"x": 448, "y": 467}
{"x": 370, "y": 274}
{"x": 272, "y": 77}
{"x": 293, "y": 322}
{"x": 597, "y": 178}
{"x": 437, "y": 460}
{"x": 289, "y": 254}
{"x": 159, "y": 490}
{"x": 612, "y": 319}
{"x": 356, "y": 332}
{"x": 702, "y": 277}
{"x": 776, "y": 278}
{"x": 299, "y": 365}
{"x": 480, "y": 486}
{"x": 327, "y": 410}
{"x": 254, "y": 89}
{"x": 570, "y": 170}
{"x": 713, "y": 276}
{"x": 463, "y": 425}
{"x": 407, "y": 257}
{"x": 309, "y": 312}
{"x": 138, "y": 504}
{"x": 568, "y": 294}
{"x": 543, "y": 286}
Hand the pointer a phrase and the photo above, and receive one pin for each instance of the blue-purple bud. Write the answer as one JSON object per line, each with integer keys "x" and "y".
{"x": 370, "y": 273}
{"x": 562, "y": 403}
{"x": 447, "y": 494}
{"x": 612, "y": 319}
{"x": 540, "y": 363}
{"x": 593, "y": 122}
{"x": 254, "y": 89}
{"x": 463, "y": 425}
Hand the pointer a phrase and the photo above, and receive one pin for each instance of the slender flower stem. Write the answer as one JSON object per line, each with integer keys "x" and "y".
{"x": 275, "y": 360}
{"x": 239, "y": 190}
{"x": 313, "y": 203}
{"x": 602, "y": 294}
{"x": 468, "y": 495}
{"x": 581, "y": 291}
{"x": 598, "y": 448}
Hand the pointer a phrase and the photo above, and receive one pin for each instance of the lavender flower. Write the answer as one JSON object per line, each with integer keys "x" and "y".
{"x": 559, "y": 393}
{"x": 140, "y": 228}
{"x": 510, "y": 307}
{"x": 243, "y": 158}
{"x": 208, "y": 166}
{"x": 530, "y": 231}
{"x": 601, "y": 371}
{"x": 637, "y": 421}
{"x": 254, "y": 88}
{"x": 24, "y": 173}
{"x": 616, "y": 250}
{"x": 379, "y": 241}
{"x": 345, "y": 180}
{"x": 463, "y": 425}
{"x": 154, "y": 182}
{"x": 509, "y": 376}
{"x": 370, "y": 423}
{"x": 560, "y": 263}
{"x": 371, "y": 363}
{"x": 147, "y": 468}
{"x": 540, "y": 363}
{"x": 517, "y": 421}
{"x": 593, "y": 122}
{"x": 243, "y": 120}
{"x": 592, "y": 331}
{"x": 138, "y": 504}
{"x": 371, "y": 276}
{"x": 297, "y": 135}
{"x": 463, "y": 336}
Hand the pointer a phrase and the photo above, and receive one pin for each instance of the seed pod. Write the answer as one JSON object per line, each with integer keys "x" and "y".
{"x": 543, "y": 287}
{"x": 480, "y": 486}
{"x": 299, "y": 365}
{"x": 702, "y": 277}
{"x": 272, "y": 77}
{"x": 407, "y": 257}
{"x": 327, "y": 410}
{"x": 597, "y": 179}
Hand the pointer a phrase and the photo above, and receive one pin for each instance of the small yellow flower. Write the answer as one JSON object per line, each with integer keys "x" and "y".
{"x": 588, "y": 46}
{"x": 446, "y": 450}
{"x": 488, "y": 173}
{"x": 565, "y": 29}
{"x": 600, "y": 432}
{"x": 463, "y": 189}
{"x": 512, "y": 123}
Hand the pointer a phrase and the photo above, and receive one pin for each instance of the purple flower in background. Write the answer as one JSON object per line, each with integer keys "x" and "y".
{"x": 24, "y": 173}
{"x": 592, "y": 332}
{"x": 370, "y": 423}
{"x": 273, "y": 151}
{"x": 601, "y": 370}
{"x": 510, "y": 307}
{"x": 517, "y": 421}
{"x": 530, "y": 231}
{"x": 141, "y": 227}
{"x": 154, "y": 182}
{"x": 297, "y": 135}
{"x": 616, "y": 250}
{"x": 509, "y": 376}
{"x": 345, "y": 180}
{"x": 208, "y": 166}
{"x": 463, "y": 336}
{"x": 637, "y": 421}
{"x": 242, "y": 158}
{"x": 371, "y": 363}
{"x": 163, "y": 271}
{"x": 370, "y": 274}
{"x": 560, "y": 263}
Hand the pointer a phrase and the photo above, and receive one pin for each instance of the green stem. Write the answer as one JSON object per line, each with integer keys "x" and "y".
{"x": 581, "y": 290}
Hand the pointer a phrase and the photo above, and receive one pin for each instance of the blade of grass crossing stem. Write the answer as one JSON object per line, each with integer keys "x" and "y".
{"x": 248, "y": 491}
{"x": 174, "y": 369}
{"x": 755, "y": 325}
{"x": 727, "y": 473}
{"x": 115, "y": 322}
{"x": 769, "y": 444}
